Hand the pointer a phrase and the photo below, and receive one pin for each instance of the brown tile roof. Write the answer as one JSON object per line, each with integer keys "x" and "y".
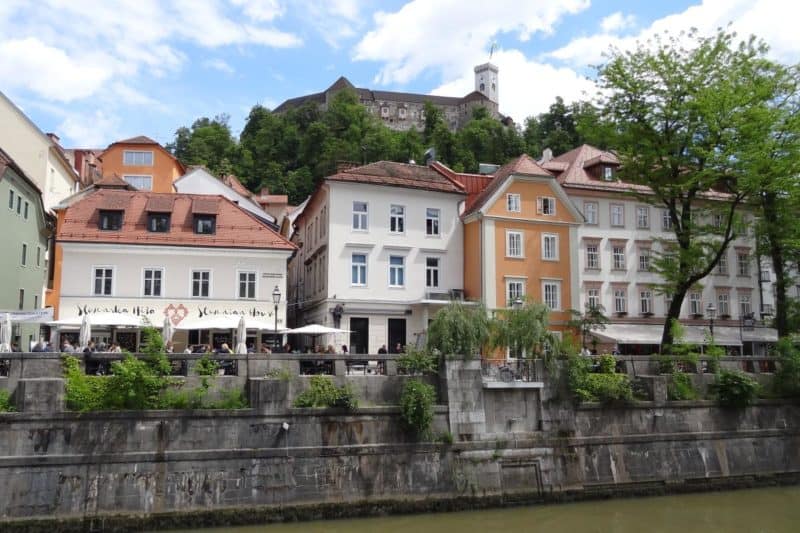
{"x": 272, "y": 199}
{"x": 144, "y": 140}
{"x": 576, "y": 161}
{"x": 205, "y": 205}
{"x": 399, "y": 175}
{"x": 160, "y": 204}
{"x": 235, "y": 227}
{"x": 112, "y": 181}
{"x": 139, "y": 139}
{"x": 523, "y": 165}
{"x": 233, "y": 182}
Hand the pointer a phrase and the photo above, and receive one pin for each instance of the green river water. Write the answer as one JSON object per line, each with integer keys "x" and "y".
{"x": 772, "y": 510}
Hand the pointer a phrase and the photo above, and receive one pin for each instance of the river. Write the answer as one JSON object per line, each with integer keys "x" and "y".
{"x": 771, "y": 510}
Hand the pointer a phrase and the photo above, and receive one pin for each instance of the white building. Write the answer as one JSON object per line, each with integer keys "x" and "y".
{"x": 381, "y": 250}
{"x": 157, "y": 255}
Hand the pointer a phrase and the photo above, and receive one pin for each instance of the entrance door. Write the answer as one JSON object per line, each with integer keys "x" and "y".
{"x": 397, "y": 334}
{"x": 359, "y": 335}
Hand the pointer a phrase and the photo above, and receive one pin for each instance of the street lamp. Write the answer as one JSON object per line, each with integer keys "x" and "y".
{"x": 276, "y": 299}
{"x": 711, "y": 311}
{"x": 517, "y": 303}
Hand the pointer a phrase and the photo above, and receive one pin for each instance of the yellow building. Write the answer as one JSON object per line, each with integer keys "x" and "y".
{"x": 143, "y": 163}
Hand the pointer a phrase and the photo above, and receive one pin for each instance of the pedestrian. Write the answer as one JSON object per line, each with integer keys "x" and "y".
{"x": 382, "y": 349}
{"x": 67, "y": 347}
{"x": 344, "y": 348}
{"x": 398, "y": 348}
{"x": 90, "y": 348}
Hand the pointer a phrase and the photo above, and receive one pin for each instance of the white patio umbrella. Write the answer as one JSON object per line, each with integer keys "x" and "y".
{"x": 85, "y": 334}
{"x": 241, "y": 336}
{"x": 167, "y": 330}
{"x": 315, "y": 330}
{"x": 5, "y": 334}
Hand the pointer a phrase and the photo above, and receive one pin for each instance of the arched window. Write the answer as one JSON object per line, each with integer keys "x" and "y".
{"x": 483, "y": 87}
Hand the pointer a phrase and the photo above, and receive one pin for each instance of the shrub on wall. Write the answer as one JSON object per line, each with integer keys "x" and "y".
{"x": 735, "y": 389}
{"x": 5, "y": 402}
{"x": 606, "y": 386}
{"x": 417, "y": 362}
{"x": 680, "y": 387}
{"x": 206, "y": 366}
{"x": 322, "y": 392}
{"x": 459, "y": 330}
{"x": 416, "y": 406}
{"x": 787, "y": 377}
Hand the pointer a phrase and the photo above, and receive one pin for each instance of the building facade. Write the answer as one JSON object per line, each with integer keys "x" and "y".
{"x": 143, "y": 163}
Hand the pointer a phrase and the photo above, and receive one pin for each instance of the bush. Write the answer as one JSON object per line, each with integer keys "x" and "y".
{"x": 5, "y": 402}
{"x": 666, "y": 364}
{"x": 417, "y": 362}
{"x": 735, "y": 389}
{"x": 787, "y": 377}
{"x": 607, "y": 387}
{"x": 322, "y": 392}
{"x": 83, "y": 393}
{"x": 680, "y": 387}
{"x": 281, "y": 373}
{"x": 206, "y": 366}
{"x": 230, "y": 399}
{"x": 416, "y": 406}
{"x": 607, "y": 364}
{"x": 459, "y": 330}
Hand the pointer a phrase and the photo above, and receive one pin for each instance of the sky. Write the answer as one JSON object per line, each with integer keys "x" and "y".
{"x": 96, "y": 71}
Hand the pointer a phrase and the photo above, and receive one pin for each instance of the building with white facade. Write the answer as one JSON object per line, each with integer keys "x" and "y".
{"x": 381, "y": 250}
{"x": 156, "y": 255}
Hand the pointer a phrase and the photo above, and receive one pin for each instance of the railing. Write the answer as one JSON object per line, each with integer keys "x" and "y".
{"x": 509, "y": 370}
{"x": 645, "y": 364}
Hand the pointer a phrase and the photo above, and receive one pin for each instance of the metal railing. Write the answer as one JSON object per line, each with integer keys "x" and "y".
{"x": 509, "y": 370}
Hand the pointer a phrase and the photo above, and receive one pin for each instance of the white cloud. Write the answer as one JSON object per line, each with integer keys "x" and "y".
{"x": 334, "y": 20}
{"x": 447, "y": 34}
{"x": 526, "y": 87}
{"x": 617, "y": 21}
{"x": 771, "y": 20}
{"x": 218, "y": 64}
{"x": 90, "y": 129}
{"x": 261, "y": 10}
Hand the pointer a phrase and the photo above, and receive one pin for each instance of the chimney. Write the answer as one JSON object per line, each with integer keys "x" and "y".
{"x": 547, "y": 155}
{"x": 430, "y": 156}
{"x": 53, "y": 137}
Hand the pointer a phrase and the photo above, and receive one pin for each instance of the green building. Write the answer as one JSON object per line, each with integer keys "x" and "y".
{"x": 25, "y": 230}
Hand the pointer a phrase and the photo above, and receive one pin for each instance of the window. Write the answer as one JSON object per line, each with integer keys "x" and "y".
{"x": 513, "y": 244}
{"x": 143, "y": 183}
{"x": 397, "y": 219}
{"x": 717, "y": 221}
{"x": 358, "y": 269}
{"x": 515, "y": 289}
{"x": 620, "y": 300}
{"x": 432, "y": 272}
{"x": 546, "y": 205}
{"x": 666, "y": 220}
{"x": 11, "y": 200}
{"x": 36, "y": 301}
{"x": 617, "y": 215}
{"x": 432, "y": 221}
{"x": 24, "y": 254}
{"x": 19, "y": 204}
{"x": 593, "y": 298}
{"x": 397, "y": 271}
{"x": 764, "y": 276}
{"x": 22, "y": 299}
{"x": 644, "y": 260}
{"x": 592, "y": 256}
{"x": 618, "y": 253}
{"x": 401, "y": 112}
{"x": 590, "y": 212}
{"x": 722, "y": 265}
{"x": 743, "y": 264}
{"x": 608, "y": 173}
{"x": 205, "y": 224}
{"x": 550, "y": 247}
{"x": 103, "y": 281}
{"x": 695, "y": 303}
{"x": 552, "y": 297}
{"x": 38, "y": 256}
{"x": 360, "y": 216}
{"x": 642, "y": 217}
{"x": 723, "y": 305}
{"x": 25, "y": 211}
{"x": 201, "y": 283}
{"x": 744, "y": 305}
{"x": 132, "y": 158}
{"x": 153, "y": 278}
{"x": 247, "y": 285}
{"x": 667, "y": 301}
{"x": 645, "y": 302}
{"x": 158, "y": 222}
{"x": 513, "y": 203}
{"x": 384, "y": 112}
{"x": 110, "y": 220}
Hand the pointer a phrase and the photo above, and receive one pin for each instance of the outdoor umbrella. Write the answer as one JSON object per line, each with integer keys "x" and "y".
{"x": 241, "y": 336}
{"x": 86, "y": 332}
{"x": 167, "y": 331}
{"x": 5, "y": 334}
{"x": 315, "y": 330}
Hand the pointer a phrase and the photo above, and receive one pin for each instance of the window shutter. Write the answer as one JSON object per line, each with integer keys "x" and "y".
{"x": 539, "y": 208}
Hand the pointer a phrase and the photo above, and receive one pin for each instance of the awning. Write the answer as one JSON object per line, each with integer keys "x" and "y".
{"x": 651, "y": 334}
{"x": 103, "y": 319}
{"x": 759, "y": 335}
{"x": 228, "y": 322}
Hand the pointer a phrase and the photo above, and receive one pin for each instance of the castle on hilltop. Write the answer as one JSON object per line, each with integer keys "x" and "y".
{"x": 403, "y": 111}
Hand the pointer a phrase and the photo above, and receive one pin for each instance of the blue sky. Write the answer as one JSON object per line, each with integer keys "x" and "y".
{"x": 96, "y": 71}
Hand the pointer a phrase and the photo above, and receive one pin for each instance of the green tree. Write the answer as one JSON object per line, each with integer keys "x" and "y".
{"x": 593, "y": 318}
{"x": 522, "y": 330}
{"x": 683, "y": 120}
{"x": 459, "y": 330}
{"x": 208, "y": 142}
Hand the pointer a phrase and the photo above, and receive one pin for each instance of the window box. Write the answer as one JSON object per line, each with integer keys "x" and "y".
{"x": 647, "y": 315}
{"x": 621, "y": 314}
{"x": 725, "y": 317}
{"x": 697, "y": 315}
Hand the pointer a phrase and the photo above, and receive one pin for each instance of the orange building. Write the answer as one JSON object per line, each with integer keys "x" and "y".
{"x": 143, "y": 163}
{"x": 520, "y": 240}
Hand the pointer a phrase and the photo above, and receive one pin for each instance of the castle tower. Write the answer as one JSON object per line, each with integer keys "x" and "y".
{"x": 486, "y": 81}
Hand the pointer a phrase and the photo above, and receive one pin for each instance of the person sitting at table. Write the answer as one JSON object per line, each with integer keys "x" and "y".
{"x": 330, "y": 349}
{"x": 115, "y": 348}
{"x": 382, "y": 349}
{"x": 265, "y": 349}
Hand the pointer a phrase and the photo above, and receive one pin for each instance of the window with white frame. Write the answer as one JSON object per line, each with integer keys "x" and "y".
{"x": 592, "y": 256}
{"x": 11, "y": 199}
{"x": 397, "y": 271}
{"x": 201, "y": 283}
{"x": 620, "y": 300}
{"x": 551, "y": 291}
{"x": 644, "y": 259}
{"x": 593, "y": 298}
{"x": 618, "y": 215}
{"x": 515, "y": 289}
{"x": 717, "y": 220}
{"x": 590, "y": 212}
{"x": 608, "y": 173}
{"x": 513, "y": 203}
{"x": 514, "y": 244}
{"x": 384, "y": 112}
{"x": 695, "y": 303}
{"x": 432, "y": 272}
{"x": 360, "y": 216}
{"x": 744, "y": 305}
{"x": 401, "y": 112}
{"x": 642, "y": 217}
{"x": 667, "y": 301}
{"x": 141, "y": 182}
{"x": 743, "y": 263}
{"x": 549, "y": 247}
{"x": 358, "y": 269}
{"x": 764, "y": 275}
{"x": 722, "y": 264}
{"x": 103, "y": 281}
{"x": 247, "y": 285}
{"x": 137, "y": 158}
{"x": 666, "y": 220}
{"x": 645, "y": 301}
{"x": 618, "y": 255}
{"x": 397, "y": 219}
{"x": 432, "y": 217}
{"x": 153, "y": 278}
{"x": 38, "y": 256}
{"x": 723, "y": 304}
{"x": 546, "y": 205}
{"x": 24, "y": 258}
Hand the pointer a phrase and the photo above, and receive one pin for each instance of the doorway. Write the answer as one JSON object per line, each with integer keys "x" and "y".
{"x": 359, "y": 335}
{"x": 397, "y": 334}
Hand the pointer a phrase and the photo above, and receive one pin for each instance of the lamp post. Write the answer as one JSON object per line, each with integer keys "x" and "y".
{"x": 517, "y": 303}
{"x": 711, "y": 311}
{"x": 276, "y": 299}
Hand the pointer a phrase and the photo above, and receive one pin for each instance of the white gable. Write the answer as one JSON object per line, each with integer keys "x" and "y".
{"x": 200, "y": 181}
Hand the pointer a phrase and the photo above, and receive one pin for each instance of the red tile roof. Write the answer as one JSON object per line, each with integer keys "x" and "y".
{"x": 399, "y": 175}
{"x": 235, "y": 227}
{"x": 233, "y": 182}
{"x": 113, "y": 181}
{"x": 139, "y": 139}
{"x": 523, "y": 165}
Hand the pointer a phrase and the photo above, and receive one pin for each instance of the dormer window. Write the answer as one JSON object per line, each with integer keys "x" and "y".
{"x": 158, "y": 222}
{"x": 205, "y": 224}
{"x": 608, "y": 173}
{"x": 110, "y": 220}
